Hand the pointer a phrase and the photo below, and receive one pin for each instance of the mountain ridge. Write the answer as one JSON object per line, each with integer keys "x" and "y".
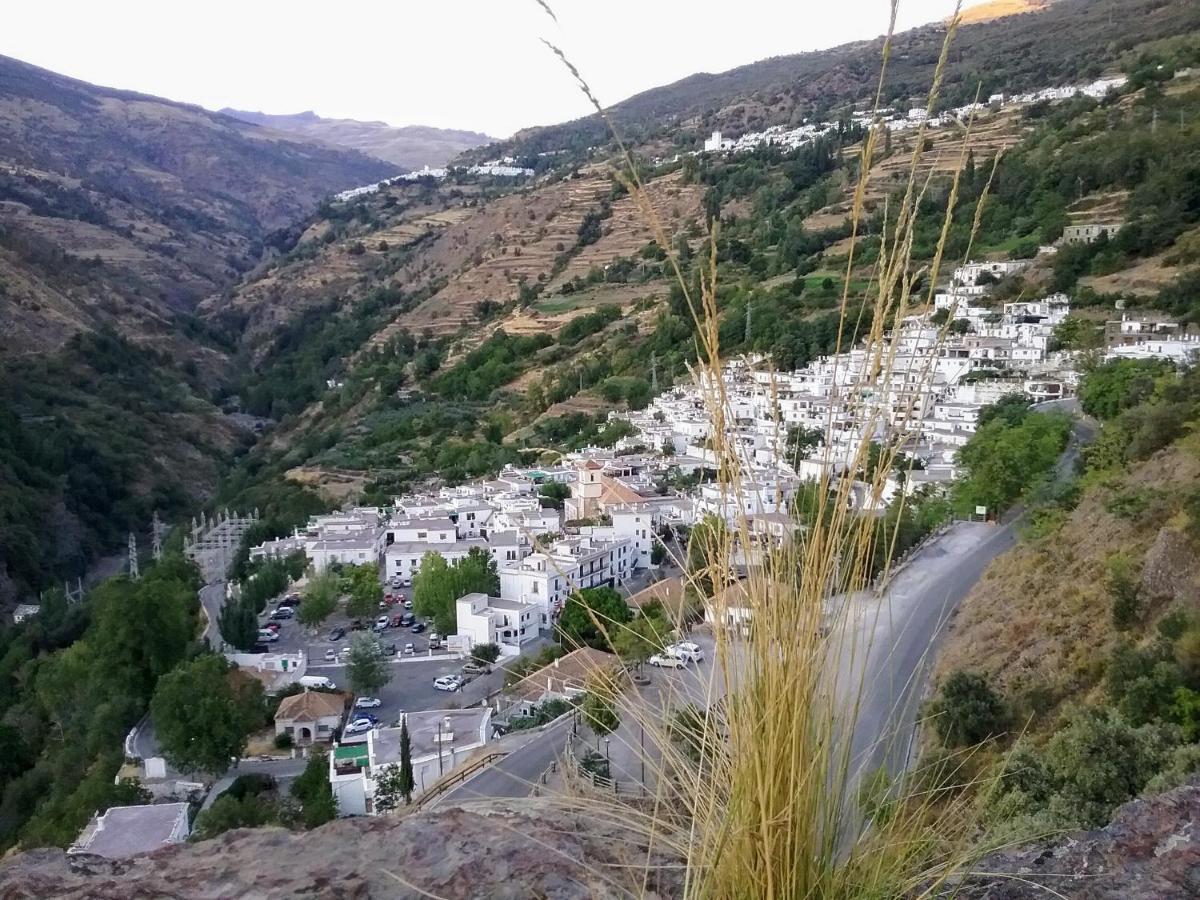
{"x": 409, "y": 146}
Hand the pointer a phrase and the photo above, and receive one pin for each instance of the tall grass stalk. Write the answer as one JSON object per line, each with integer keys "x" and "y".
{"x": 751, "y": 780}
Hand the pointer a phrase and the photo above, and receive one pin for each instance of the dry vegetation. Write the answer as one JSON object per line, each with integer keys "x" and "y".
{"x": 1038, "y": 623}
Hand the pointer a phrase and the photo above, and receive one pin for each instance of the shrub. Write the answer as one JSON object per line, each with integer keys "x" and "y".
{"x": 967, "y": 710}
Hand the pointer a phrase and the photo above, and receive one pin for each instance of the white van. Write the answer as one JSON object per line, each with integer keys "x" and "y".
{"x": 317, "y": 681}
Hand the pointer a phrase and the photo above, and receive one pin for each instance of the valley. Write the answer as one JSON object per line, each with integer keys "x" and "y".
{"x": 881, "y": 399}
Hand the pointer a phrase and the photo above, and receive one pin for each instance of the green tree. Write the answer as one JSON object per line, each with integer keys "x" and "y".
{"x": 556, "y": 492}
{"x": 589, "y": 614}
{"x": 487, "y": 653}
{"x": 396, "y": 781}
{"x": 1003, "y": 460}
{"x": 312, "y": 790}
{"x": 801, "y": 441}
{"x": 366, "y": 668}
{"x": 229, "y": 812}
{"x": 707, "y": 552}
{"x": 319, "y": 599}
{"x": 599, "y": 707}
{"x": 967, "y": 710}
{"x": 239, "y": 623}
{"x": 1119, "y": 385}
{"x": 1123, "y": 589}
{"x": 203, "y": 713}
{"x": 363, "y": 588}
{"x": 438, "y": 585}
{"x": 638, "y": 640}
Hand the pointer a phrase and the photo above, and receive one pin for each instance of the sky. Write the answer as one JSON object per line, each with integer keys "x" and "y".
{"x": 466, "y": 64}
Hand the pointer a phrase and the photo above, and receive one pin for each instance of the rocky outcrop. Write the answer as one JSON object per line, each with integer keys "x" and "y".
{"x": 1151, "y": 849}
{"x": 1171, "y": 570}
{"x": 540, "y": 851}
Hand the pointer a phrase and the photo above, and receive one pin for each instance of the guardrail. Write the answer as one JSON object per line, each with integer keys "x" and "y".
{"x": 600, "y": 782}
{"x": 455, "y": 778}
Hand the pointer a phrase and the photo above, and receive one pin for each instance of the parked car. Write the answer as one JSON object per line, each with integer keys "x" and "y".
{"x": 397, "y": 621}
{"x": 687, "y": 651}
{"x": 407, "y": 619}
{"x": 273, "y": 627}
{"x": 283, "y": 612}
{"x": 358, "y": 726}
{"x": 337, "y": 634}
{"x": 358, "y": 625}
{"x": 476, "y": 667}
{"x": 663, "y": 661}
{"x": 368, "y": 703}
{"x": 435, "y": 642}
{"x": 409, "y": 648}
{"x": 407, "y": 604}
{"x": 418, "y": 627}
{"x": 388, "y": 650}
{"x": 382, "y": 622}
{"x": 331, "y": 655}
{"x": 447, "y": 683}
{"x": 267, "y": 635}
{"x": 394, "y": 581}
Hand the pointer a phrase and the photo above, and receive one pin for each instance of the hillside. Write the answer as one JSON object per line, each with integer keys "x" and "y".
{"x": 1070, "y": 40}
{"x": 407, "y": 146}
{"x": 119, "y": 212}
{"x": 125, "y": 210}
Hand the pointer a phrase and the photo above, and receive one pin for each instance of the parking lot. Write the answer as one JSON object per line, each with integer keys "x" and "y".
{"x": 410, "y": 687}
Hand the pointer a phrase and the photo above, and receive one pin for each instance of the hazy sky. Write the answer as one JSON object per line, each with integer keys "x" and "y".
{"x": 451, "y": 63}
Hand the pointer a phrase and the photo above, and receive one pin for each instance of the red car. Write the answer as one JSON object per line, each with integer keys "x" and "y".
{"x": 273, "y": 626}
{"x": 396, "y": 623}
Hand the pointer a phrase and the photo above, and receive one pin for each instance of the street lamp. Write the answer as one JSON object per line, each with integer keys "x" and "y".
{"x": 607, "y": 758}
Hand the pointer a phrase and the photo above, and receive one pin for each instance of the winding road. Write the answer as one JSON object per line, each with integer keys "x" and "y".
{"x": 886, "y": 648}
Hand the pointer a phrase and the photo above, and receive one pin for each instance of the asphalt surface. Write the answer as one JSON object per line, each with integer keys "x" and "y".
{"x": 517, "y": 774}
{"x": 892, "y": 644}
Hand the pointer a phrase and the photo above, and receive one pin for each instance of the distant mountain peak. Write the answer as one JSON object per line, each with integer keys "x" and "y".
{"x": 410, "y": 146}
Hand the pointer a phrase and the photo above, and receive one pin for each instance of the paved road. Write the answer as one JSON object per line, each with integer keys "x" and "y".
{"x": 890, "y": 645}
{"x": 516, "y": 774}
{"x": 887, "y": 648}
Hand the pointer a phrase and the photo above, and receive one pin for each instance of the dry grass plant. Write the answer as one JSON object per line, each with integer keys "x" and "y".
{"x": 750, "y": 780}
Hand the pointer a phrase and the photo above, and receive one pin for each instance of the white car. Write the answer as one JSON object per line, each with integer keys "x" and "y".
{"x": 331, "y": 655}
{"x": 686, "y": 650}
{"x": 447, "y": 683}
{"x": 382, "y": 622}
{"x": 409, "y": 648}
{"x": 368, "y": 703}
{"x": 665, "y": 661}
{"x": 358, "y": 726}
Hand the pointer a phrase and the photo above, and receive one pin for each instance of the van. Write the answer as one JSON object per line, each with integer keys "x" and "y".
{"x": 317, "y": 681}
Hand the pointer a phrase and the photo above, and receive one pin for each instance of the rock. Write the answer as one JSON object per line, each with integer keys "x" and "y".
{"x": 1150, "y": 850}
{"x": 1171, "y": 570}
{"x": 539, "y": 851}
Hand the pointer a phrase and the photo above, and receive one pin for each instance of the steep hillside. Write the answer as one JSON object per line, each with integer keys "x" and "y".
{"x": 125, "y": 210}
{"x": 1070, "y": 40}
{"x": 118, "y": 213}
{"x": 408, "y": 146}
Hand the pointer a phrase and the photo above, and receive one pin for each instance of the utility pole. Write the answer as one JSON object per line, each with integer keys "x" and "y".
{"x": 133, "y": 559}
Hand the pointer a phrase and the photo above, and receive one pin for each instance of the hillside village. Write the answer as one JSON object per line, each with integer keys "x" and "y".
{"x": 504, "y": 531}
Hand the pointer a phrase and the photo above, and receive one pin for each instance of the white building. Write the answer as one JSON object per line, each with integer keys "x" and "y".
{"x": 545, "y": 578}
{"x": 492, "y": 620}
